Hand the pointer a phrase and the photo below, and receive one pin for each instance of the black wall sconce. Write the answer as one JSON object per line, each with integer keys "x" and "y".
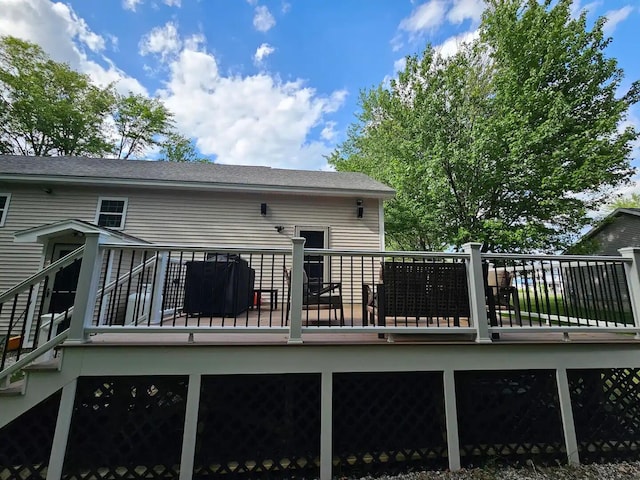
{"x": 263, "y": 209}
{"x": 279, "y": 228}
{"x": 359, "y": 209}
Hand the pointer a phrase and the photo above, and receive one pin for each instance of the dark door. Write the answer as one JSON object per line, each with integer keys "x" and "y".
{"x": 63, "y": 292}
{"x": 314, "y": 264}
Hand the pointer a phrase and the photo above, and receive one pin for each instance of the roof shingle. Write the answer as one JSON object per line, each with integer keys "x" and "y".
{"x": 93, "y": 170}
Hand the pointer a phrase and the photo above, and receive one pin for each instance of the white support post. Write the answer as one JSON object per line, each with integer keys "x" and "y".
{"x": 296, "y": 286}
{"x": 566, "y": 412}
{"x": 451, "y": 418}
{"x": 107, "y": 296}
{"x": 61, "y": 434}
{"x": 326, "y": 426}
{"x": 158, "y": 287}
{"x": 477, "y": 301}
{"x": 32, "y": 306}
{"x": 86, "y": 293}
{"x": 632, "y": 271}
{"x": 190, "y": 427}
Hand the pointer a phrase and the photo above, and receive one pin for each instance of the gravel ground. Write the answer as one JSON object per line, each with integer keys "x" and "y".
{"x": 608, "y": 471}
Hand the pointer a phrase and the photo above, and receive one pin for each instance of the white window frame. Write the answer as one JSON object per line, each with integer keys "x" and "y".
{"x": 5, "y": 210}
{"x": 124, "y": 211}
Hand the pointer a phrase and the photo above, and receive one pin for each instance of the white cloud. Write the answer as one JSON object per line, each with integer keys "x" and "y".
{"x": 130, "y": 4}
{"x": 286, "y": 6}
{"x": 173, "y": 3}
{"x": 427, "y": 16}
{"x": 328, "y": 132}
{"x": 65, "y": 37}
{"x": 262, "y": 52}
{"x": 252, "y": 120}
{"x": 399, "y": 64}
{"x": 263, "y": 21}
{"x": 451, "y": 45}
{"x": 163, "y": 41}
{"x": 577, "y": 8}
{"x": 614, "y": 17}
{"x": 466, "y": 9}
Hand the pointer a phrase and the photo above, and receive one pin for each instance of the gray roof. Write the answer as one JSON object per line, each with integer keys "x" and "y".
{"x": 82, "y": 170}
{"x": 607, "y": 221}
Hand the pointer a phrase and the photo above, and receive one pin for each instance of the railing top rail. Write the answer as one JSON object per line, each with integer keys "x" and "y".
{"x": 383, "y": 253}
{"x": 172, "y": 247}
{"x": 566, "y": 258}
{"x": 36, "y": 277}
{"x": 31, "y": 356}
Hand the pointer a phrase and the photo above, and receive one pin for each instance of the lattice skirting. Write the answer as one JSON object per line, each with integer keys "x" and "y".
{"x": 269, "y": 426}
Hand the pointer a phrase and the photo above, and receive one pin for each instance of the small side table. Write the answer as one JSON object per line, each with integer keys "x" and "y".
{"x": 273, "y": 297}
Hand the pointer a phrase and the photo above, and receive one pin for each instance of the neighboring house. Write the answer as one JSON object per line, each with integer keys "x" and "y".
{"x": 191, "y": 203}
{"x": 619, "y": 229}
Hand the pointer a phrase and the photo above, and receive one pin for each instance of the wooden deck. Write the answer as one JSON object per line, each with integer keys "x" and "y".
{"x": 339, "y": 334}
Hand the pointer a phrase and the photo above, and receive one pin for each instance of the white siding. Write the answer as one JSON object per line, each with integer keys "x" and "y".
{"x": 171, "y": 216}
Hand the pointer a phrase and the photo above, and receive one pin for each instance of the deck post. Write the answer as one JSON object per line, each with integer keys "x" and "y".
{"x": 326, "y": 425}
{"x": 451, "y": 419}
{"x": 566, "y": 412}
{"x": 155, "y": 312}
{"x": 477, "y": 302}
{"x": 190, "y": 427}
{"x": 632, "y": 271}
{"x": 297, "y": 279}
{"x": 87, "y": 291}
{"x": 61, "y": 433}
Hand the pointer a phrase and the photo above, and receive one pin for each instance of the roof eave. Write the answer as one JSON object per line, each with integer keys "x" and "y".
{"x": 187, "y": 185}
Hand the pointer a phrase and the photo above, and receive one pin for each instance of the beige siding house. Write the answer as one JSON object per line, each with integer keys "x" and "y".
{"x": 162, "y": 202}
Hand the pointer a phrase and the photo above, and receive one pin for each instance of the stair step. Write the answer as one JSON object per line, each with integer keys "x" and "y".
{"x": 14, "y": 389}
{"x": 50, "y": 365}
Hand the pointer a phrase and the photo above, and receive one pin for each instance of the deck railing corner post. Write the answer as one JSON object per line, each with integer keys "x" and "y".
{"x": 296, "y": 286}
{"x": 477, "y": 301}
{"x": 87, "y": 290}
{"x": 632, "y": 273}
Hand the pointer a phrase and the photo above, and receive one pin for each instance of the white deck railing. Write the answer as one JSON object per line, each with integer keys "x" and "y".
{"x": 187, "y": 289}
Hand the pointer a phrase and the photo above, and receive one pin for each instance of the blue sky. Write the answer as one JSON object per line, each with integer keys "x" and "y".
{"x": 266, "y": 82}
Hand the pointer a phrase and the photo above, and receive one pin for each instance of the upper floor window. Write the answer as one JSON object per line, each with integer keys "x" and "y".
{"x": 111, "y": 212}
{"x": 4, "y": 207}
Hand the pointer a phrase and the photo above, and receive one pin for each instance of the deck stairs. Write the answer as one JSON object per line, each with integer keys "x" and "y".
{"x": 39, "y": 381}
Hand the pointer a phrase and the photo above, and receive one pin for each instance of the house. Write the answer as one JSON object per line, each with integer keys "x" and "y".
{"x": 619, "y": 229}
{"x": 170, "y": 391}
{"x": 189, "y": 203}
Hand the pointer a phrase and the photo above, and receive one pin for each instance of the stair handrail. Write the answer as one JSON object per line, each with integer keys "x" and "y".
{"x": 33, "y": 355}
{"x": 55, "y": 319}
{"x": 41, "y": 274}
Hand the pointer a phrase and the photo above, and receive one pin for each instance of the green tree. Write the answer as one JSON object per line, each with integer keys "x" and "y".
{"x": 178, "y": 148}
{"x": 47, "y": 108}
{"x": 140, "y": 122}
{"x": 510, "y": 148}
{"x": 630, "y": 201}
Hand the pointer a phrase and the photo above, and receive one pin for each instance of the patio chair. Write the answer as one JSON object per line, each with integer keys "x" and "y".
{"x": 501, "y": 294}
{"x": 318, "y": 296}
{"x": 418, "y": 291}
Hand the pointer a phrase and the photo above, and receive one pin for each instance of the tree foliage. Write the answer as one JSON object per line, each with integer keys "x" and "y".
{"x": 46, "y": 108}
{"x": 508, "y": 142}
{"x": 630, "y": 201}
{"x": 178, "y": 148}
{"x": 141, "y": 122}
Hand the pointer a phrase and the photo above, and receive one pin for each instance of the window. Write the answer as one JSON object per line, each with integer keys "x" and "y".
{"x": 111, "y": 212}
{"x": 4, "y": 207}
